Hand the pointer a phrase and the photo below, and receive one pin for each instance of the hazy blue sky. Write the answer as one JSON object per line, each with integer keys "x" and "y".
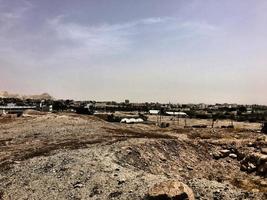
{"x": 143, "y": 50}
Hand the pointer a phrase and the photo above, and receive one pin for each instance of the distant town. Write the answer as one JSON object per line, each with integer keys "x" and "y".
{"x": 45, "y": 103}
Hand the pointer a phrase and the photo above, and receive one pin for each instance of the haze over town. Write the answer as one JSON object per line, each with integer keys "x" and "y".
{"x": 180, "y": 51}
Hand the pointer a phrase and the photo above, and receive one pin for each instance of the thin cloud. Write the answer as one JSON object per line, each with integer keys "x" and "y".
{"x": 112, "y": 39}
{"x": 99, "y": 39}
{"x": 11, "y": 18}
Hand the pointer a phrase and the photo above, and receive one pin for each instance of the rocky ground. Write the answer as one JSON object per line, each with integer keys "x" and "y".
{"x": 68, "y": 156}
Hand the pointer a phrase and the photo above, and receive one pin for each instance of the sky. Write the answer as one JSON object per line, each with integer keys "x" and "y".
{"x": 178, "y": 51}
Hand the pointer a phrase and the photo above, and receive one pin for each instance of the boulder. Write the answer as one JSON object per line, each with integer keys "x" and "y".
{"x": 169, "y": 190}
{"x": 225, "y": 152}
{"x": 221, "y": 154}
{"x": 232, "y": 155}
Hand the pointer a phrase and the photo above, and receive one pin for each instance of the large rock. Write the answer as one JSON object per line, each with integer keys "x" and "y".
{"x": 225, "y": 152}
{"x": 232, "y": 155}
{"x": 170, "y": 190}
{"x": 221, "y": 154}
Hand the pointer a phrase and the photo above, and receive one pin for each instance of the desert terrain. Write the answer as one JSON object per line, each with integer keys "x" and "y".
{"x": 70, "y": 156}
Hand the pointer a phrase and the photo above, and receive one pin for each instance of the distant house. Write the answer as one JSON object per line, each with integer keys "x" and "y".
{"x": 131, "y": 120}
{"x": 153, "y": 112}
{"x": 12, "y": 108}
{"x": 178, "y": 114}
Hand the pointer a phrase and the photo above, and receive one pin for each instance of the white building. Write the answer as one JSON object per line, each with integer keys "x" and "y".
{"x": 178, "y": 114}
{"x": 153, "y": 112}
